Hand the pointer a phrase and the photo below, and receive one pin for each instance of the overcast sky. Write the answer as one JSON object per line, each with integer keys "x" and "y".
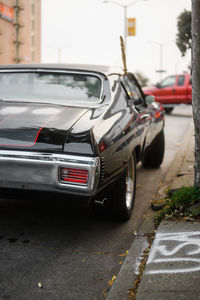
{"x": 87, "y": 31}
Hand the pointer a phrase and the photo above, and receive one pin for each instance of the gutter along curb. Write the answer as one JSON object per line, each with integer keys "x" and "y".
{"x": 129, "y": 271}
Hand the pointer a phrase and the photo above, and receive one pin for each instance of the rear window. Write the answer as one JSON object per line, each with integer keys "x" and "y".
{"x": 44, "y": 86}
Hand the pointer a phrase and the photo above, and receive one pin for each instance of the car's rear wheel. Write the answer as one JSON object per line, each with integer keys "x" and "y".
{"x": 154, "y": 155}
{"x": 123, "y": 194}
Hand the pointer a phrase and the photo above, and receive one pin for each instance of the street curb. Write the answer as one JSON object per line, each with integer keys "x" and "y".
{"x": 128, "y": 271}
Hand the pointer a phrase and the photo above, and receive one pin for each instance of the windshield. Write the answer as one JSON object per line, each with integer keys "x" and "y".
{"x": 50, "y": 87}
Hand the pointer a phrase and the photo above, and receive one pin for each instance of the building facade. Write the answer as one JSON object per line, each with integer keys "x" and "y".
{"x": 20, "y": 31}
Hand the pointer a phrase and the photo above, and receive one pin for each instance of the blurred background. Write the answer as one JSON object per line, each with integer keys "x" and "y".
{"x": 88, "y": 31}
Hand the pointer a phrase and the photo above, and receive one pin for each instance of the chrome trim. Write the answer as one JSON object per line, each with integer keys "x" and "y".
{"x": 40, "y": 171}
{"x": 102, "y": 172}
{"x": 35, "y": 70}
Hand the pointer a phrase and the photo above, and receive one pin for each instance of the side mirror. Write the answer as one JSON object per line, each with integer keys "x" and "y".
{"x": 149, "y": 99}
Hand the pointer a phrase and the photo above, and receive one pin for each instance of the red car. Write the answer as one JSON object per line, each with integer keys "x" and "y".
{"x": 173, "y": 90}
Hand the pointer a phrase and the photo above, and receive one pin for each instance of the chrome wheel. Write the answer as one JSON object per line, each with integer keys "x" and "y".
{"x": 123, "y": 195}
{"x": 130, "y": 183}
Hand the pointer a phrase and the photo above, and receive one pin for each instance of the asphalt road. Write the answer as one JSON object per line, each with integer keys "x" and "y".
{"x": 52, "y": 250}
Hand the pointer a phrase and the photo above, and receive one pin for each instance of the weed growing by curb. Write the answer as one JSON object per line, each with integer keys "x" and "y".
{"x": 183, "y": 203}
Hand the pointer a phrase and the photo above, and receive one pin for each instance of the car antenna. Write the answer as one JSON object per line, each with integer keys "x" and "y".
{"x": 123, "y": 50}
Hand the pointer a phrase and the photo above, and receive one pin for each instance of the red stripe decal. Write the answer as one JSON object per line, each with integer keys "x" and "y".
{"x": 53, "y": 117}
{"x": 6, "y": 118}
{"x": 10, "y": 115}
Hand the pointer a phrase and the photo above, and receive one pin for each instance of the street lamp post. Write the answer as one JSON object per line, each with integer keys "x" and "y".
{"x": 59, "y": 51}
{"x": 125, "y": 15}
{"x": 161, "y": 70}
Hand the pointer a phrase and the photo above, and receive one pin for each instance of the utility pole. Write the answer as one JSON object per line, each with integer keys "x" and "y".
{"x": 196, "y": 84}
{"x": 125, "y": 15}
{"x": 125, "y": 26}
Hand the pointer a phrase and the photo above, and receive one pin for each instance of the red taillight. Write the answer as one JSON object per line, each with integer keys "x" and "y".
{"x": 102, "y": 146}
{"x": 74, "y": 175}
{"x": 157, "y": 115}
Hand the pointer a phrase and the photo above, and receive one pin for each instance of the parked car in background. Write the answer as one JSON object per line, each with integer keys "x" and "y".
{"x": 77, "y": 129}
{"x": 171, "y": 91}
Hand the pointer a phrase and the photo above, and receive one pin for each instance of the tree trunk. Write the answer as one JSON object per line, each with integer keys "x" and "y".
{"x": 196, "y": 84}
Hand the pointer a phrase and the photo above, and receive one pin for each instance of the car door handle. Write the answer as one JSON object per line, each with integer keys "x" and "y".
{"x": 173, "y": 90}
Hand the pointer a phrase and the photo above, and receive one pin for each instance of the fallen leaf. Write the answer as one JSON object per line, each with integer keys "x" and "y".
{"x": 136, "y": 281}
{"x": 186, "y": 218}
{"x": 102, "y": 253}
{"x": 135, "y": 232}
{"x": 40, "y": 285}
{"x": 124, "y": 254}
{"x": 121, "y": 262}
{"x": 104, "y": 294}
{"x": 110, "y": 282}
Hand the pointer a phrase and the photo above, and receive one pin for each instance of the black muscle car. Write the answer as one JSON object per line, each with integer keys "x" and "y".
{"x": 79, "y": 130}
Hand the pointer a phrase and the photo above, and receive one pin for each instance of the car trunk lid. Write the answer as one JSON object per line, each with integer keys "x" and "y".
{"x": 36, "y": 126}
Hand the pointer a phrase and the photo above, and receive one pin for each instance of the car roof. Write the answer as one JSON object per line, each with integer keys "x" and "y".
{"x": 104, "y": 69}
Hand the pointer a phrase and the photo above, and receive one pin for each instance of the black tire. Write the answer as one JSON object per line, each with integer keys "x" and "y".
{"x": 168, "y": 110}
{"x": 155, "y": 153}
{"x": 123, "y": 194}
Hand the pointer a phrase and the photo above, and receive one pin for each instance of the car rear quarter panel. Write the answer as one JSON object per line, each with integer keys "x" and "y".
{"x": 112, "y": 131}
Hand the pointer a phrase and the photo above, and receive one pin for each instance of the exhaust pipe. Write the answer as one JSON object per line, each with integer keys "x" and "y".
{"x": 101, "y": 202}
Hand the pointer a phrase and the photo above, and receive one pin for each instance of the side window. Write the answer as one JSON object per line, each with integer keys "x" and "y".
{"x": 181, "y": 80}
{"x": 133, "y": 91}
{"x": 169, "y": 81}
{"x": 120, "y": 101}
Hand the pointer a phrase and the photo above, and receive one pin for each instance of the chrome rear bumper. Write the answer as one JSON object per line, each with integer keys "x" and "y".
{"x": 40, "y": 171}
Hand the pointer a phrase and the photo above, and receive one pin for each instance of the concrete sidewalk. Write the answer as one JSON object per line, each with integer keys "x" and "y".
{"x": 172, "y": 270}
{"x": 173, "y": 267}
